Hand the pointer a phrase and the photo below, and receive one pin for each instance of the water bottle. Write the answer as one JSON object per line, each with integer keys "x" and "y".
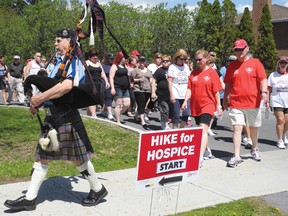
{"x": 216, "y": 114}
{"x": 267, "y": 113}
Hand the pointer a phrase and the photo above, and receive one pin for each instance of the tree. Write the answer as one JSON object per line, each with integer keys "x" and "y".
{"x": 179, "y": 31}
{"x": 12, "y": 34}
{"x": 45, "y": 18}
{"x": 158, "y": 21}
{"x": 246, "y": 29}
{"x": 228, "y": 30}
{"x": 266, "y": 48}
{"x": 214, "y": 36}
{"x": 202, "y": 24}
{"x": 129, "y": 26}
{"x": 17, "y": 6}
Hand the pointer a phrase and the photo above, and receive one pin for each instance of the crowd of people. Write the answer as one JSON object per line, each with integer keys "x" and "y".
{"x": 13, "y": 75}
{"x": 179, "y": 89}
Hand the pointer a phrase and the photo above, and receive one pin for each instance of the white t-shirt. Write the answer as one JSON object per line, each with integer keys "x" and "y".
{"x": 153, "y": 67}
{"x": 279, "y": 94}
{"x": 34, "y": 68}
{"x": 180, "y": 76}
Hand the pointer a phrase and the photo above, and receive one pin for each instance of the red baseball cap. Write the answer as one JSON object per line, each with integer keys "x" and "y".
{"x": 240, "y": 44}
{"x": 283, "y": 59}
{"x": 135, "y": 52}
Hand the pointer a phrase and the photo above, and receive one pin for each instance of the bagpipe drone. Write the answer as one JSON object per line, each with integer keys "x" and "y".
{"x": 85, "y": 94}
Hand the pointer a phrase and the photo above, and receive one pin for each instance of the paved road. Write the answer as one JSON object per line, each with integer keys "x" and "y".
{"x": 221, "y": 144}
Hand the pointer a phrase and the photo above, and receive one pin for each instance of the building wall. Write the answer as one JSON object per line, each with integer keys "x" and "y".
{"x": 280, "y": 36}
{"x": 257, "y": 13}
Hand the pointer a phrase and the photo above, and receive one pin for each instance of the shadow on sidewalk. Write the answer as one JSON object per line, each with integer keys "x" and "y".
{"x": 61, "y": 189}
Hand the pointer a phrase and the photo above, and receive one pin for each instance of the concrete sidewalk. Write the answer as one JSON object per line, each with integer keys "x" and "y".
{"x": 216, "y": 184}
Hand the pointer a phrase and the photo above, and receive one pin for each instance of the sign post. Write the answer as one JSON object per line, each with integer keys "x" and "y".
{"x": 166, "y": 157}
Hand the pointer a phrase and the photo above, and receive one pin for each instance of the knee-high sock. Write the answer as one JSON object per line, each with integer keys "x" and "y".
{"x": 88, "y": 172}
{"x": 38, "y": 176}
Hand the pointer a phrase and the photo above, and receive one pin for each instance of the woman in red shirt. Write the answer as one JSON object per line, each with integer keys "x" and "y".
{"x": 203, "y": 91}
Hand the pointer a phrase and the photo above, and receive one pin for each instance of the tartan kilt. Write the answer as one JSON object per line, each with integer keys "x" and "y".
{"x": 74, "y": 143}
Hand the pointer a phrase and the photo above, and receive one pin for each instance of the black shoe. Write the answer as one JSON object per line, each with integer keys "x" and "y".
{"x": 21, "y": 204}
{"x": 145, "y": 126}
{"x": 94, "y": 198}
{"x": 136, "y": 118}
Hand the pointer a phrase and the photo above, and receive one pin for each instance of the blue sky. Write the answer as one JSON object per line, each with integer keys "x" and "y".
{"x": 240, "y": 4}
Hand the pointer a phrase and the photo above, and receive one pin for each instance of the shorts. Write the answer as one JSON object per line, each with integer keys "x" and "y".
{"x": 108, "y": 98}
{"x": 120, "y": 93}
{"x": 281, "y": 109}
{"x": 248, "y": 117}
{"x": 3, "y": 84}
{"x": 176, "y": 112}
{"x": 204, "y": 118}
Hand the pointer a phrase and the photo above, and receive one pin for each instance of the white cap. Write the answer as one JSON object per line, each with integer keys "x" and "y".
{"x": 16, "y": 57}
{"x": 232, "y": 58}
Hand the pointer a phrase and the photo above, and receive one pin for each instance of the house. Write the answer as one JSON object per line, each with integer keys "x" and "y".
{"x": 279, "y": 16}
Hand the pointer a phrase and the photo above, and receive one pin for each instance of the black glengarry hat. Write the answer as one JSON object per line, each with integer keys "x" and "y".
{"x": 65, "y": 33}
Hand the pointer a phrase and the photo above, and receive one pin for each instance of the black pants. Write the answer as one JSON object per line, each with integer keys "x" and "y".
{"x": 141, "y": 100}
{"x": 132, "y": 99}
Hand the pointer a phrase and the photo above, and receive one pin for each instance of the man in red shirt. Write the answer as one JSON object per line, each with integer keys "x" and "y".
{"x": 245, "y": 87}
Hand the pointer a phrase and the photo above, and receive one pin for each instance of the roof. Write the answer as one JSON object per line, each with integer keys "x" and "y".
{"x": 279, "y": 14}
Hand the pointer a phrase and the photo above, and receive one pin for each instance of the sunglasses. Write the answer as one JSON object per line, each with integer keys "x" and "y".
{"x": 58, "y": 41}
{"x": 165, "y": 61}
{"x": 239, "y": 50}
{"x": 182, "y": 59}
{"x": 282, "y": 62}
{"x": 158, "y": 57}
{"x": 198, "y": 60}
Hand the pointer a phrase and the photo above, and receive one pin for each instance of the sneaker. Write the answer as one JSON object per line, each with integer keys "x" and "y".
{"x": 146, "y": 117}
{"x": 207, "y": 154}
{"x": 104, "y": 113}
{"x": 111, "y": 117}
{"x": 244, "y": 139}
{"x": 210, "y": 132}
{"x": 255, "y": 154}
{"x": 234, "y": 161}
{"x": 285, "y": 139}
{"x": 98, "y": 108}
{"x": 280, "y": 144}
{"x": 188, "y": 123}
{"x": 248, "y": 144}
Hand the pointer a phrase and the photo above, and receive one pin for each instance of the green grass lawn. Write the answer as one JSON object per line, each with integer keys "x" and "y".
{"x": 252, "y": 206}
{"x": 115, "y": 148}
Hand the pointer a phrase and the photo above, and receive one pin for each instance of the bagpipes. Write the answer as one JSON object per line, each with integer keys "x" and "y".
{"x": 85, "y": 94}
